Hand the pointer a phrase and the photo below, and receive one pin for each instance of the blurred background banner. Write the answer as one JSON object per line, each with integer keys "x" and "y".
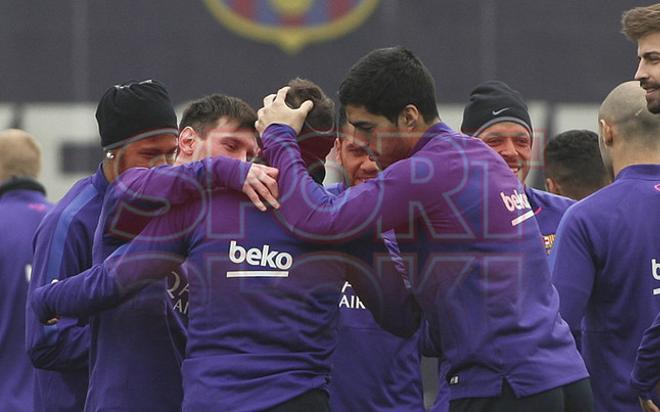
{"x": 59, "y": 57}
{"x": 291, "y": 24}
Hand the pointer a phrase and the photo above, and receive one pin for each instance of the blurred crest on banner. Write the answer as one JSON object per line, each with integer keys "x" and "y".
{"x": 291, "y": 24}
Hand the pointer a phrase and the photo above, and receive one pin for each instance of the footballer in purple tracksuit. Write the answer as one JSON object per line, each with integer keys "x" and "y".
{"x": 63, "y": 247}
{"x": 607, "y": 245}
{"x": 498, "y": 115}
{"x": 138, "y": 346}
{"x": 482, "y": 279}
{"x": 646, "y": 372}
{"x": 263, "y": 305}
{"x": 22, "y": 206}
{"x": 137, "y": 125}
{"x": 372, "y": 369}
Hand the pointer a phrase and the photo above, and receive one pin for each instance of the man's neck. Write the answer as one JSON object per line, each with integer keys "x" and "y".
{"x": 636, "y": 157}
{"x": 416, "y": 134}
{"x": 109, "y": 170}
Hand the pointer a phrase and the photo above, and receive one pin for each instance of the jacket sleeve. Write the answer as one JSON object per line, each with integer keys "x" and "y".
{"x": 573, "y": 269}
{"x": 58, "y": 254}
{"x": 646, "y": 371}
{"x": 144, "y": 193}
{"x": 149, "y": 257}
{"x": 388, "y": 201}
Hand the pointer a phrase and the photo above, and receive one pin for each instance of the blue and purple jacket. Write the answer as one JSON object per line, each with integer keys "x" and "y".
{"x": 62, "y": 248}
{"x": 22, "y": 206}
{"x": 603, "y": 267}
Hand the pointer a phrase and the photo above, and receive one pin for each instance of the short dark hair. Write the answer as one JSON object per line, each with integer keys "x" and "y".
{"x": 572, "y": 159}
{"x": 206, "y": 111}
{"x": 322, "y": 116}
{"x": 387, "y": 80}
{"x": 640, "y": 21}
{"x": 317, "y": 135}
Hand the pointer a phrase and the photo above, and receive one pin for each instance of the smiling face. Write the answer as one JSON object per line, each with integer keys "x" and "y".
{"x": 353, "y": 156}
{"x": 648, "y": 70}
{"x": 382, "y": 138}
{"x": 513, "y": 142}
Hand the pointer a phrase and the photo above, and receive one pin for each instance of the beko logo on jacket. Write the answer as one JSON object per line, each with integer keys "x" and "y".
{"x": 517, "y": 201}
{"x": 262, "y": 258}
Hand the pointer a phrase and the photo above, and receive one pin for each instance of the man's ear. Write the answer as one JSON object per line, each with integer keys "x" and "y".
{"x": 606, "y": 132}
{"x": 187, "y": 141}
{"x": 552, "y": 186}
{"x": 338, "y": 144}
{"x": 409, "y": 117}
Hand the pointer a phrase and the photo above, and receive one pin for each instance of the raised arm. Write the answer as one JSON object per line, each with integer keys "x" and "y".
{"x": 390, "y": 200}
{"x": 143, "y": 193}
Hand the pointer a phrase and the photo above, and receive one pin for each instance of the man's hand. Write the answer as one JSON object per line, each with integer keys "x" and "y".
{"x": 261, "y": 184}
{"x": 648, "y": 405}
{"x": 275, "y": 110}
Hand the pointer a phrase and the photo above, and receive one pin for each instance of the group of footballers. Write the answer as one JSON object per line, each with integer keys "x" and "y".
{"x": 204, "y": 266}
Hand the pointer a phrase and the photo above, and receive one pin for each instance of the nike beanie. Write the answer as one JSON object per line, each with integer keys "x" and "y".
{"x": 133, "y": 111}
{"x": 494, "y": 102}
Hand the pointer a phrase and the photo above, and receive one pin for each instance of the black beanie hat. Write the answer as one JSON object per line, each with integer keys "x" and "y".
{"x": 134, "y": 111}
{"x": 494, "y": 102}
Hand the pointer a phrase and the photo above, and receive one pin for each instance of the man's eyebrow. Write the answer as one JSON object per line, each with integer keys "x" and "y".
{"x": 361, "y": 124}
{"x": 648, "y": 54}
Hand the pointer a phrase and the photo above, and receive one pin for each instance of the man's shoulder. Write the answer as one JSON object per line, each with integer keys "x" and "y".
{"x": 335, "y": 188}
{"x": 549, "y": 200}
{"x": 598, "y": 207}
{"x": 75, "y": 204}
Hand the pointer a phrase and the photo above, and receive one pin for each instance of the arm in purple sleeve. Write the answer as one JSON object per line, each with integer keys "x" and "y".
{"x": 77, "y": 296}
{"x": 573, "y": 270}
{"x": 144, "y": 193}
{"x": 150, "y": 256}
{"x": 646, "y": 371}
{"x": 382, "y": 287}
{"x": 65, "y": 345}
{"x": 313, "y": 214}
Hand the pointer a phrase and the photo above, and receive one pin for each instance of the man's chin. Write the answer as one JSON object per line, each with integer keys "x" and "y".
{"x": 653, "y": 105}
{"x": 522, "y": 175}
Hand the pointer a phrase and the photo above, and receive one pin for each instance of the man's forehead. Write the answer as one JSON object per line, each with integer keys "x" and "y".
{"x": 161, "y": 140}
{"x": 649, "y": 44}
{"x": 355, "y": 114}
{"x": 232, "y": 130}
{"x": 347, "y": 136}
{"x": 505, "y": 129}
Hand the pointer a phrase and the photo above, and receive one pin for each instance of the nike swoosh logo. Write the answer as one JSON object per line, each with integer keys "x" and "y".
{"x": 496, "y": 112}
